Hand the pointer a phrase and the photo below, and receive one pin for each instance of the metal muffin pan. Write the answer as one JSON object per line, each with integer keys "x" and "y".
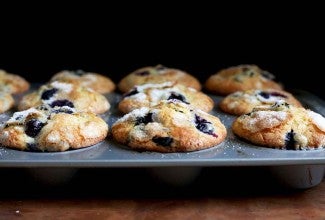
{"x": 298, "y": 169}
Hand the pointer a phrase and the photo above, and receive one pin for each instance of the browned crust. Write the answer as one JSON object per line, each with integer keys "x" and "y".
{"x": 171, "y": 75}
{"x": 186, "y": 138}
{"x": 223, "y": 81}
{"x": 274, "y": 137}
{"x": 6, "y": 102}
{"x": 101, "y": 84}
{"x": 242, "y": 106}
{"x": 62, "y": 132}
{"x": 82, "y": 98}
{"x": 15, "y": 83}
{"x": 196, "y": 99}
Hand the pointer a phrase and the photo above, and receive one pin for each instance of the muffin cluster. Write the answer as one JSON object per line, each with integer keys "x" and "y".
{"x": 60, "y": 115}
{"x": 161, "y": 109}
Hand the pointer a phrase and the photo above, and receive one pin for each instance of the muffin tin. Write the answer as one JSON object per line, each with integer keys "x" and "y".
{"x": 298, "y": 169}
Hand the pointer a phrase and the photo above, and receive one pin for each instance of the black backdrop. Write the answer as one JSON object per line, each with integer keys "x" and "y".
{"x": 282, "y": 41}
{"x": 298, "y": 68}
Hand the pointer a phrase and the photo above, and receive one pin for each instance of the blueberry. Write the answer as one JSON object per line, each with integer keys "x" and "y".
{"x": 62, "y": 110}
{"x": 62, "y": 102}
{"x": 163, "y": 141}
{"x": 267, "y": 95}
{"x": 33, "y": 147}
{"x": 144, "y": 120}
{"x": 33, "y": 127}
{"x": 142, "y": 73}
{"x": 203, "y": 125}
{"x": 79, "y": 72}
{"x": 18, "y": 117}
{"x": 132, "y": 92}
{"x": 178, "y": 96}
{"x": 289, "y": 141}
{"x": 264, "y": 94}
{"x": 43, "y": 108}
{"x": 47, "y": 94}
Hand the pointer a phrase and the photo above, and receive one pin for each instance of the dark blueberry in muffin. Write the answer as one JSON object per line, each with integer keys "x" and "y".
{"x": 144, "y": 120}
{"x": 33, "y": 147}
{"x": 203, "y": 125}
{"x": 18, "y": 117}
{"x": 79, "y": 72}
{"x": 43, "y": 108}
{"x": 163, "y": 141}
{"x": 264, "y": 95}
{"x": 178, "y": 96}
{"x": 62, "y": 102}
{"x": 33, "y": 127}
{"x": 289, "y": 141}
{"x": 132, "y": 92}
{"x": 267, "y": 95}
{"x": 142, "y": 73}
{"x": 47, "y": 94}
{"x": 63, "y": 110}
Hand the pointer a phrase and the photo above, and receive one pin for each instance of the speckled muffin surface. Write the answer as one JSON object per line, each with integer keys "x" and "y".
{"x": 241, "y": 78}
{"x": 95, "y": 81}
{"x": 148, "y": 95}
{"x": 60, "y": 93}
{"x": 12, "y": 83}
{"x": 282, "y": 126}
{"x": 157, "y": 74}
{"x": 243, "y": 102}
{"x": 6, "y": 101}
{"x": 170, "y": 126}
{"x": 52, "y": 129}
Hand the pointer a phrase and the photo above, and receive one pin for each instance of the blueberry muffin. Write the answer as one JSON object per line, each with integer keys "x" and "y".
{"x": 155, "y": 75}
{"x": 170, "y": 126}
{"x": 282, "y": 126}
{"x": 60, "y": 93}
{"x": 95, "y": 81}
{"x": 52, "y": 129}
{"x": 12, "y": 83}
{"x": 6, "y": 101}
{"x": 243, "y": 102}
{"x": 148, "y": 95}
{"x": 241, "y": 78}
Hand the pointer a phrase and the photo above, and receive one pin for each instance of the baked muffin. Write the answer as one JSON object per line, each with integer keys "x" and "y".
{"x": 6, "y": 101}
{"x": 170, "y": 126}
{"x": 241, "y": 78}
{"x": 155, "y": 75}
{"x": 61, "y": 93}
{"x": 148, "y": 95}
{"x": 282, "y": 126}
{"x": 95, "y": 81}
{"x": 52, "y": 129}
{"x": 12, "y": 83}
{"x": 243, "y": 102}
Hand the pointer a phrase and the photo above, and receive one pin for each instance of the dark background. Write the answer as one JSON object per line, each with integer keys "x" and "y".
{"x": 286, "y": 40}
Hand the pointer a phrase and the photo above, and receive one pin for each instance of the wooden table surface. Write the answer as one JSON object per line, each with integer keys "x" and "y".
{"x": 218, "y": 193}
